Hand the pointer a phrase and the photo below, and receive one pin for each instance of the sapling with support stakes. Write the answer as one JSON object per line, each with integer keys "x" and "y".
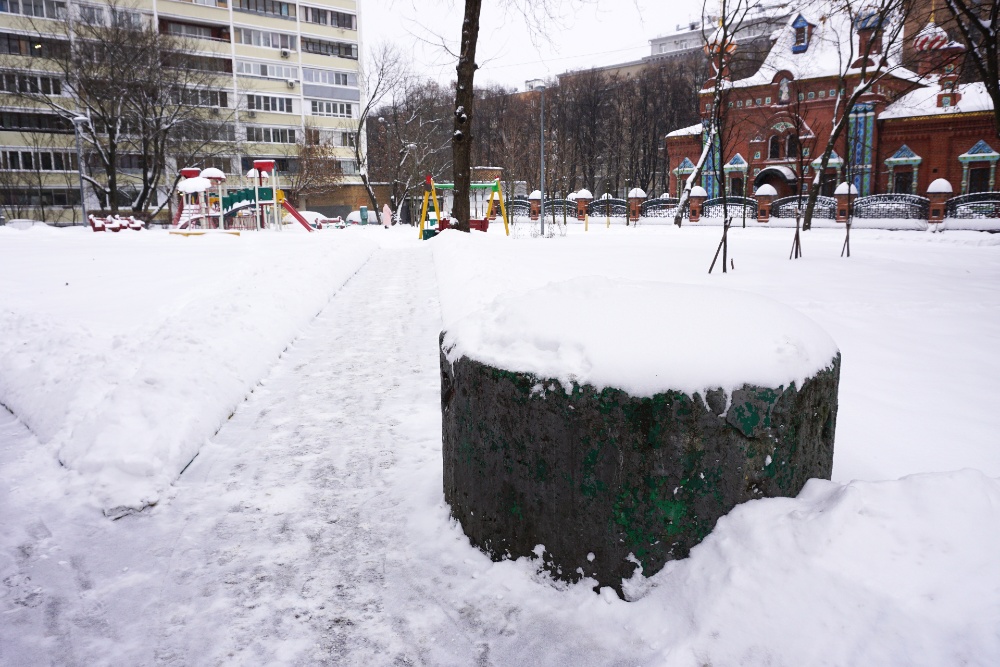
{"x": 723, "y": 247}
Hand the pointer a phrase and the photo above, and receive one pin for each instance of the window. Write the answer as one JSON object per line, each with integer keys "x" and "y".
{"x": 349, "y": 167}
{"x": 269, "y": 103}
{"x": 335, "y": 109}
{"x": 792, "y": 146}
{"x": 201, "y": 63}
{"x": 36, "y": 197}
{"x": 189, "y": 30}
{"x": 270, "y": 7}
{"x": 736, "y": 186}
{"x": 11, "y": 82}
{"x": 739, "y": 103}
{"x": 767, "y": 100}
{"x": 200, "y": 97}
{"x": 903, "y": 182}
{"x": 271, "y": 135}
{"x": 756, "y": 155}
{"x": 47, "y": 9}
{"x": 979, "y": 179}
{"x": 330, "y": 18}
{"x": 265, "y": 39}
{"x": 800, "y": 36}
{"x": 335, "y": 49}
{"x": 28, "y": 160}
{"x": 34, "y": 122}
{"x": 774, "y": 148}
{"x": 266, "y": 70}
{"x": 21, "y": 45}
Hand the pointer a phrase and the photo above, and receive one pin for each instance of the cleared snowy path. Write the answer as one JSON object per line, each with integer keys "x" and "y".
{"x": 294, "y": 537}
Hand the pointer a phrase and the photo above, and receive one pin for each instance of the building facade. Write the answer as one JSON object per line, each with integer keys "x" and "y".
{"x": 282, "y": 74}
{"x": 917, "y": 124}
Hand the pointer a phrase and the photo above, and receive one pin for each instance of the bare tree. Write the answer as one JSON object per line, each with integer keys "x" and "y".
{"x": 318, "y": 171}
{"x": 383, "y": 74}
{"x": 863, "y": 63}
{"x": 534, "y": 13}
{"x": 134, "y": 86}
{"x": 410, "y": 139}
{"x": 978, "y": 22}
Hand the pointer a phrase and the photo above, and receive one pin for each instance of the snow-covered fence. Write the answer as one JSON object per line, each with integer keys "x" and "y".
{"x": 612, "y": 207}
{"x": 735, "y": 207}
{"x": 518, "y": 207}
{"x": 561, "y": 206}
{"x": 658, "y": 208}
{"x": 786, "y": 207}
{"x": 892, "y": 206}
{"x": 976, "y": 205}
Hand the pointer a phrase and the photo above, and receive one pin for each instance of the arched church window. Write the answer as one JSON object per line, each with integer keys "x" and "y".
{"x": 774, "y": 148}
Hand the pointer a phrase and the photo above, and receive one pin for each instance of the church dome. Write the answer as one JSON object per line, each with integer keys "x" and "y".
{"x": 931, "y": 38}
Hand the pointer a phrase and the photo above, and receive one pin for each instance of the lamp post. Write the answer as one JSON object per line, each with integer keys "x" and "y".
{"x": 78, "y": 124}
{"x": 539, "y": 85}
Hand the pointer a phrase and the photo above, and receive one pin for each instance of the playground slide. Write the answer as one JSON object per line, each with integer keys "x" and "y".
{"x": 297, "y": 215}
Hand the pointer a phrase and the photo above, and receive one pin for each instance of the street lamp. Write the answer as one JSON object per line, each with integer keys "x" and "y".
{"x": 78, "y": 124}
{"x": 539, "y": 85}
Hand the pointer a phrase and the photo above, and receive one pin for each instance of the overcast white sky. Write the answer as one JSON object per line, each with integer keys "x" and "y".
{"x": 587, "y": 34}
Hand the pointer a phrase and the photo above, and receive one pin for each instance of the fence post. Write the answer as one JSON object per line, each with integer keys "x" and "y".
{"x": 697, "y": 198}
{"x": 938, "y": 192}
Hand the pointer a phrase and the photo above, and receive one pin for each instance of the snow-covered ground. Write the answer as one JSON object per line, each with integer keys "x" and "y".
{"x": 311, "y": 527}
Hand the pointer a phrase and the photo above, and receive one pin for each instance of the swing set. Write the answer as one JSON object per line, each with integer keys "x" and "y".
{"x": 431, "y": 196}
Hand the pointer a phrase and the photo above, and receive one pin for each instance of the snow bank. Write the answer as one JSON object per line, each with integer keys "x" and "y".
{"x": 867, "y": 573}
{"x": 126, "y": 352}
{"x": 610, "y": 333}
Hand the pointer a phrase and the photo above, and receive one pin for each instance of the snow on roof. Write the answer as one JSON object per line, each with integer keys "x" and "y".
{"x": 766, "y": 190}
{"x": 584, "y": 194}
{"x": 196, "y": 184}
{"x": 698, "y": 191}
{"x": 212, "y": 172}
{"x": 826, "y": 54}
{"x": 923, "y": 102}
{"x": 686, "y": 131}
{"x": 535, "y": 194}
{"x": 843, "y": 188}
{"x": 637, "y": 193}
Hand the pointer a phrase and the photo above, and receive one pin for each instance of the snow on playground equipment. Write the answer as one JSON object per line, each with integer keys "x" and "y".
{"x": 206, "y": 205}
{"x": 479, "y": 190}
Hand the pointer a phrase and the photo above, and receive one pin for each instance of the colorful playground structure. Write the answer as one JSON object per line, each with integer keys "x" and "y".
{"x": 206, "y": 204}
{"x": 479, "y": 191}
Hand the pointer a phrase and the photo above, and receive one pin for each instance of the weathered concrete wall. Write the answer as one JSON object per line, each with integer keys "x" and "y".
{"x": 608, "y": 474}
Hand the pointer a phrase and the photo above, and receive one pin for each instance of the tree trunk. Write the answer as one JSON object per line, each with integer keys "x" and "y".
{"x": 461, "y": 141}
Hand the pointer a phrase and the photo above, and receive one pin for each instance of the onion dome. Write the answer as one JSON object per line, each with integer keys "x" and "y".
{"x": 931, "y": 38}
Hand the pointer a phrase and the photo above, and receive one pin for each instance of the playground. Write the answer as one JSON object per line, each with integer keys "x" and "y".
{"x": 207, "y": 204}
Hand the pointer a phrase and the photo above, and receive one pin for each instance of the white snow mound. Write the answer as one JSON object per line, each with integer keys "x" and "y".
{"x": 644, "y": 337}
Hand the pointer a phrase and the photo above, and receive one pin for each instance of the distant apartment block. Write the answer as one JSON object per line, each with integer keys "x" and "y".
{"x": 282, "y": 69}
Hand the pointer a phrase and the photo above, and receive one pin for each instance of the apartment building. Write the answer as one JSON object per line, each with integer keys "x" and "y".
{"x": 281, "y": 71}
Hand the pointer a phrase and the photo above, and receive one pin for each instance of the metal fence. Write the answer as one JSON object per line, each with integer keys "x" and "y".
{"x": 826, "y": 207}
{"x": 613, "y": 207}
{"x": 518, "y": 207}
{"x": 658, "y": 208}
{"x": 562, "y": 207}
{"x": 976, "y": 205}
{"x": 896, "y": 206}
{"x": 733, "y": 207}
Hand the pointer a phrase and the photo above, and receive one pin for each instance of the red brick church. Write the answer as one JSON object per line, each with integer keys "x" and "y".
{"x": 916, "y": 125}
